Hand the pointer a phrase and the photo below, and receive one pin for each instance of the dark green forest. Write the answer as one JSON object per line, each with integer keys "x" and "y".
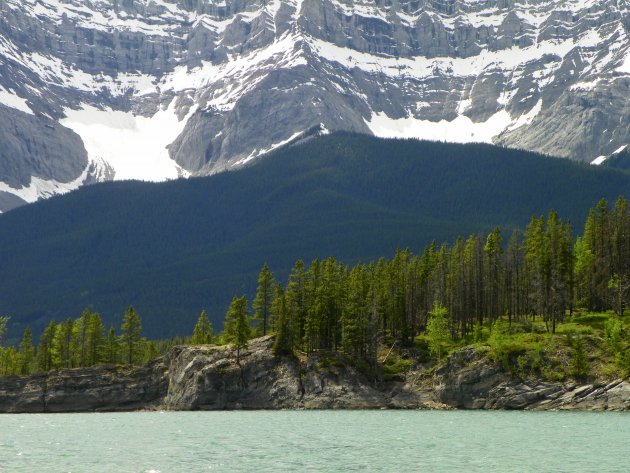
{"x": 511, "y": 294}
{"x": 173, "y": 248}
{"x": 620, "y": 160}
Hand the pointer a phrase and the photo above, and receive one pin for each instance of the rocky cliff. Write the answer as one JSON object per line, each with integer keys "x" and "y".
{"x": 103, "y": 388}
{"x": 156, "y": 89}
{"x": 208, "y": 378}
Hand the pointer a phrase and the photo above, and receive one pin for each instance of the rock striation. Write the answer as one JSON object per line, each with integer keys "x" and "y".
{"x": 102, "y": 388}
{"x": 200, "y": 86}
{"x": 209, "y": 378}
{"x": 470, "y": 381}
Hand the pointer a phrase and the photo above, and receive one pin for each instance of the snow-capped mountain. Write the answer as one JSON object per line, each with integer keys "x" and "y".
{"x": 156, "y": 89}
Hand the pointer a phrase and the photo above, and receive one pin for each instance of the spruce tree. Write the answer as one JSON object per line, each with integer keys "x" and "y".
{"x": 283, "y": 345}
{"x": 579, "y": 359}
{"x": 4, "y": 320}
{"x": 61, "y": 346}
{"x": 78, "y": 346}
{"x": 44, "y": 353}
{"x": 202, "y": 333}
{"x": 112, "y": 348}
{"x": 95, "y": 340}
{"x": 26, "y": 351}
{"x": 297, "y": 302}
{"x": 262, "y": 301}
{"x": 437, "y": 330}
{"x": 356, "y": 314}
{"x": 237, "y": 326}
{"x": 131, "y": 338}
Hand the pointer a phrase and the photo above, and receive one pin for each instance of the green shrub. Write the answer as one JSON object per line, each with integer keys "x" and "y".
{"x": 395, "y": 366}
{"x": 612, "y": 334}
{"x": 579, "y": 366}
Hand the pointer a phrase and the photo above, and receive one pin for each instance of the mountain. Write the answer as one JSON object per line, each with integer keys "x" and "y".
{"x": 173, "y": 248}
{"x": 94, "y": 90}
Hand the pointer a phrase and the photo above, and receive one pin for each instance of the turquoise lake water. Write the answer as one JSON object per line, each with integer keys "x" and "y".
{"x": 316, "y": 441}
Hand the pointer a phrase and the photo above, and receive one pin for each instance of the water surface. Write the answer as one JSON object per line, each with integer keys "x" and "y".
{"x": 316, "y": 441}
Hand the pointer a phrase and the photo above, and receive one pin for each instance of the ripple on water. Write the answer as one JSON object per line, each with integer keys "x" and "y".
{"x": 312, "y": 441}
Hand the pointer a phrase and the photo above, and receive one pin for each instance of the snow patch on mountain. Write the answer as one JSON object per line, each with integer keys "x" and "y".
{"x": 460, "y": 130}
{"x": 42, "y": 188}
{"x": 12, "y": 100}
{"x": 134, "y": 146}
{"x": 260, "y": 152}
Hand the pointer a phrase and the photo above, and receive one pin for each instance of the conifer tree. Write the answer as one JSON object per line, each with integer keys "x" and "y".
{"x": 493, "y": 250}
{"x": 262, "y": 301}
{"x": 26, "y": 351}
{"x": 437, "y": 330}
{"x": 112, "y": 346}
{"x": 356, "y": 314}
{"x": 283, "y": 345}
{"x": 10, "y": 361}
{"x": 297, "y": 302}
{"x": 202, "y": 333}
{"x": 95, "y": 339}
{"x": 61, "y": 345}
{"x": 151, "y": 352}
{"x": 579, "y": 361}
{"x": 131, "y": 338}
{"x": 78, "y": 346}
{"x": 4, "y": 321}
{"x": 44, "y": 353}
{"x": 237, "y": 326}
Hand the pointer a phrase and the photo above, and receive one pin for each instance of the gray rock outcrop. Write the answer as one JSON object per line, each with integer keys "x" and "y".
{"x": 470, "y": 381}
{"x": 209, "y": 378}
{"x": 103, "y": 388}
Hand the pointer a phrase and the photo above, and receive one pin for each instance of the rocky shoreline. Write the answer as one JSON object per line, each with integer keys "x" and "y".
{"x": 208, "y": 378}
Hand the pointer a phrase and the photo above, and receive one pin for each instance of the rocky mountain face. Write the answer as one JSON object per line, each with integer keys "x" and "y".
{"x": 94, "y": 90}
{"x": 210, "y": 378}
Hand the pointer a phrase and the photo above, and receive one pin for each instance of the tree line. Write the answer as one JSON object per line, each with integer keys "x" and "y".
{"x": 542, "y": 273}
{"x": 84, "y": 342}
{"x": 447, "y": 290}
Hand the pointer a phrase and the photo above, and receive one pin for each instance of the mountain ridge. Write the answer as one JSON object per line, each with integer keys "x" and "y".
{"x": 172, "y": 248}
{"x": 197, "y": 87}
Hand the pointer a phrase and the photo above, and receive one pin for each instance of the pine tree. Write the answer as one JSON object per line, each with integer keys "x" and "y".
{"x": 131, "y": 338}
{"x": 297, "y": 300}
{"x": 61, "y": 345}
{"x": 78, "y": 346}
{"x": 283, "y": 345}
{"x": 579, "y": 360}
{"x": 514, "y": 278}
{"x": 27, "y": 352}
{"x": 112, "y": 348}
{"x": 437, "y": 330}
{"x": 4, "y": 321}
{"x": 237, "y": 326}
{"x": 493, "y": 250}
{"x": 202, "y": 333}
{"x": 151, "y": 352}
{"x": 95, "y": 340}
{"x": 10, "y": 361}
{"x": 44, "y": 353}
{"x": 315, "y": 308}
{"x": 262, "y": 301}
{"x": 355, "y": 316}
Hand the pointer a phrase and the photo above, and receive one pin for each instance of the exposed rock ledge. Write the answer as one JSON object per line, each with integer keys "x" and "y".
{"x": 208, "y": 377}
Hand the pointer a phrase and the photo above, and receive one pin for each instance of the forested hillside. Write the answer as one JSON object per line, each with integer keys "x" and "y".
{"x": 619, "y": 160}
{"x": 174, "y": 248}
{"x": 535, "y": 304}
